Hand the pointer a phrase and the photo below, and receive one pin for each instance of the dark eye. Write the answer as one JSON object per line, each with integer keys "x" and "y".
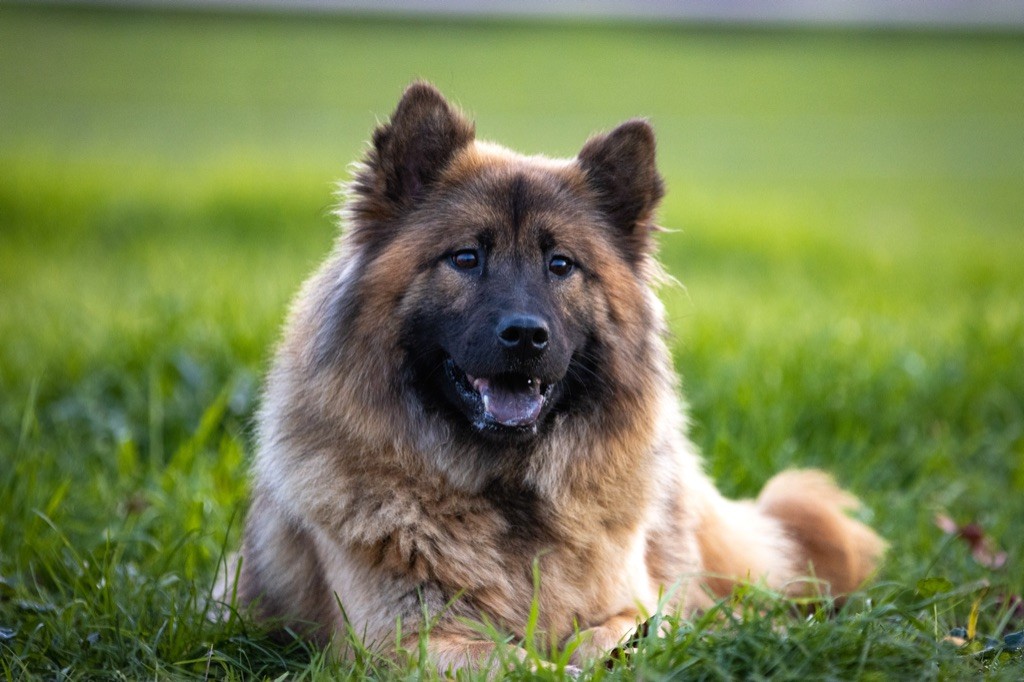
{"x": 466, "y": 259}
{"x": 560, "y": 266}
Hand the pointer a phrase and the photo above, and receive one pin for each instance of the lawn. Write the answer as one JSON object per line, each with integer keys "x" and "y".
{"x": 847, "y": 230}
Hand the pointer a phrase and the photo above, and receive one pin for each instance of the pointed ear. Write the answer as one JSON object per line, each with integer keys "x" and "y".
{"x": 620, "y": 168}
{"x": 410, "y": 151}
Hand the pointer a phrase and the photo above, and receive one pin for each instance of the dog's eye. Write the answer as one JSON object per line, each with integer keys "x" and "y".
{"x": 560, "y": 266}
{"x": 466, "y": 259}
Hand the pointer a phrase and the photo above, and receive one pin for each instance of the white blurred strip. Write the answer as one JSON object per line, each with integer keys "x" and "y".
{"x": 993, "y": 14}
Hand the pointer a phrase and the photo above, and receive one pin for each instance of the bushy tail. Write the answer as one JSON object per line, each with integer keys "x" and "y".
{"x": 834, "y": 547}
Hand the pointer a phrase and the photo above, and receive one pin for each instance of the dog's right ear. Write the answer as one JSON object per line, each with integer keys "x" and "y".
{"x": 409, "y": 153}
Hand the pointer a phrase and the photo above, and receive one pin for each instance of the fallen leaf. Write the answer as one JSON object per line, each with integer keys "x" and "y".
{"x": 983, "y": 548}
{"x": 946, "y": 524}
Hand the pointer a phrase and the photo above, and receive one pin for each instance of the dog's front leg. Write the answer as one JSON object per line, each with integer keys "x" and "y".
{"x": 453, "y": 650}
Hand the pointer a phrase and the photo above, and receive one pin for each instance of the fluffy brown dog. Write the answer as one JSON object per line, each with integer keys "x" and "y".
{"x": 477, "y": 379}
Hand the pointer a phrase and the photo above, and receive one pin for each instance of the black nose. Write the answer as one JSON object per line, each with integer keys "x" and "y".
{"x": 524, "y": 334}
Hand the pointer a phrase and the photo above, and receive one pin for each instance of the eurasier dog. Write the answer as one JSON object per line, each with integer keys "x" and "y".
{"x": 476, "y": 380}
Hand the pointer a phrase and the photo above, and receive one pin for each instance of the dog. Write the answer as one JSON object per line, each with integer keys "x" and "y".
{"x": 475, "y": 388}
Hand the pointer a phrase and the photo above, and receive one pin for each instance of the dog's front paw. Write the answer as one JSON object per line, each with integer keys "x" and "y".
{"x": 608, "y": 641}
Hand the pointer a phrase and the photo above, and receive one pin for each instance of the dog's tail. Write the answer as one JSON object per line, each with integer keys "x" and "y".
{"x": 796, "y": 537}
{"x": 833, "y": 547}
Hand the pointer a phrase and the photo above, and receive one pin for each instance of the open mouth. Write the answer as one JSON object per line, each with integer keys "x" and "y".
{"x": 511, "y": 399}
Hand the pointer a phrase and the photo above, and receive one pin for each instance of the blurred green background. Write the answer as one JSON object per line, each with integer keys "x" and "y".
{"x": 846, "y": 216}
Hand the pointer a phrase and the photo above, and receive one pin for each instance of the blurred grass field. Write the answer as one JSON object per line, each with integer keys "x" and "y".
{"x": 847, "y": 225}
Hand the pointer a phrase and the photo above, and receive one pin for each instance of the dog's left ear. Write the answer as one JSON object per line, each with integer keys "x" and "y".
{"x": 620, "y": 168}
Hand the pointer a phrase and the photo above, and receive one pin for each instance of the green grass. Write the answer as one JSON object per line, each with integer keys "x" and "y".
{"x": 848, "y": 216}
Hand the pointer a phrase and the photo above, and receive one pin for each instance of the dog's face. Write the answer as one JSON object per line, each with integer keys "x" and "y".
{"x": 505, "y": 328}
{"x": 504, "y": 319}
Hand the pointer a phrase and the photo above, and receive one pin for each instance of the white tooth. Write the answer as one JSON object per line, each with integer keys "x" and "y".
{"x": 487, "y": 403}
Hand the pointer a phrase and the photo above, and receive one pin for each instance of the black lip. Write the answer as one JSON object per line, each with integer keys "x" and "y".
{"x": 473, "y": 407}
{"x": 462, "y": 385}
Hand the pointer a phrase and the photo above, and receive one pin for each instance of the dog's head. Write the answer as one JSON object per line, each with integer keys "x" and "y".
{"x": 522, "y": 273}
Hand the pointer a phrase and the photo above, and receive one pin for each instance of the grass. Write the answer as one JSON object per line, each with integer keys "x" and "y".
{"x": 846, "y": 213}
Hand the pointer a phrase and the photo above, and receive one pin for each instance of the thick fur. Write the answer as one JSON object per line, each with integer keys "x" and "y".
{"x": 375, "y": 499}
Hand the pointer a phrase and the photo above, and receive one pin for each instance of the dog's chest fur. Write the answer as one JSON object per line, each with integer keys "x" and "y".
{"x": 499, "y": 548}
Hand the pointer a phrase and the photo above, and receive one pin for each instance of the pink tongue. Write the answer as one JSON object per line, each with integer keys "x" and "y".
{"x": 510, "y": 407}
